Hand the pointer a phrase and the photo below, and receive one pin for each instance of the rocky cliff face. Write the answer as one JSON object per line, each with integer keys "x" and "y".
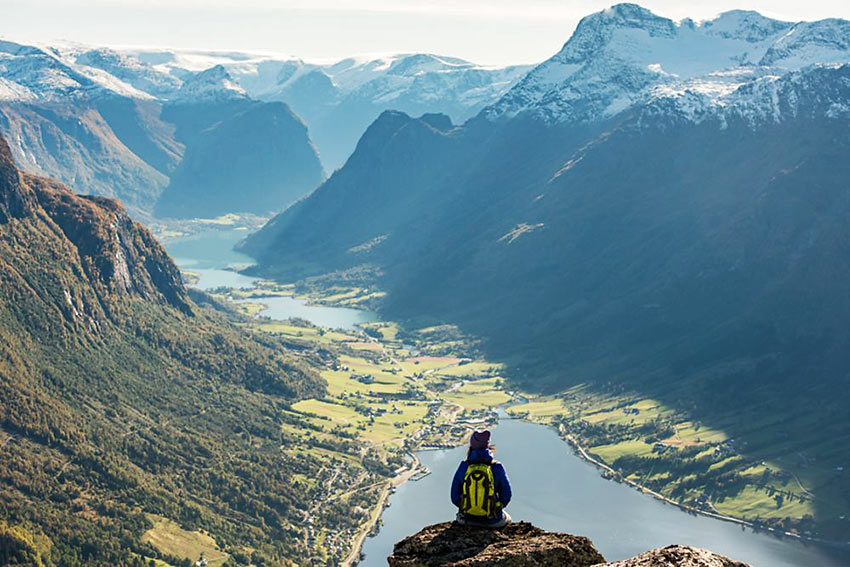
{"x": 524, "y": 545}
{"x": 242, "y": 156}
{"x": 116, "y": 255}
{"x": 516, "y": 545}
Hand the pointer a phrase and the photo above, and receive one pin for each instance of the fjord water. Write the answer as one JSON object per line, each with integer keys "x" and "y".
{"x": 553, "y": 488}
{"x": 210, "y": 255}
{"x": 558, "y": 491}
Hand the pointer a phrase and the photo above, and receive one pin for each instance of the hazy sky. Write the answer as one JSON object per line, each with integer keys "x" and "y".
{"x": 485, "y": 31}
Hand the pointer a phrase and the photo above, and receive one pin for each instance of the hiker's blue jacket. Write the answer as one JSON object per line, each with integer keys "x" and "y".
{"x": 500, "y": 477}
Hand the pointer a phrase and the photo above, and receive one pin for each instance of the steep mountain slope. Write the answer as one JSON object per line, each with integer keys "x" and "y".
{"x": 52, "y": 114}
{"x": 401, "y": 158}
{"x": 655, "y": 234}
{"x": 258, "y": 159}
{"x": 75, "y": 143}
{"x": 340, "y": 101}
{"x": 121, "y": 397}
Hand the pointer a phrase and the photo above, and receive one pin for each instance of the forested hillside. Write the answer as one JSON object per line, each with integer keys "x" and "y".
{"x": 121, "y": 398}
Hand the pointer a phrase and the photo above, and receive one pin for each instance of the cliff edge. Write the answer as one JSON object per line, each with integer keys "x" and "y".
{"x": 523, "y": 545}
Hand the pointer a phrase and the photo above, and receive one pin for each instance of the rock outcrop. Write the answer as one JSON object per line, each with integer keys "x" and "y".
{"x": 518, "y": 544}
{"x": 677, "y": 556}
{"x": 524, "y": 545}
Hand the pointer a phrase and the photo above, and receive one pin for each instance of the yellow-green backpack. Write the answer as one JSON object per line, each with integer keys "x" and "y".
{"x": 479, "y": 491}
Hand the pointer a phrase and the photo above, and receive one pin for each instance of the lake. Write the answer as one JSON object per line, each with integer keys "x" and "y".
{"x": 210, "y": 256}
{"x": 558, "y": 491}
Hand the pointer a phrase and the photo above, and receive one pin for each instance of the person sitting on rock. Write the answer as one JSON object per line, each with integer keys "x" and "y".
{"x": 480, "y": 487}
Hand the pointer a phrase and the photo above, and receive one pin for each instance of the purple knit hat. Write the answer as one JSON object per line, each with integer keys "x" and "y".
{"x": 479, "y": 439}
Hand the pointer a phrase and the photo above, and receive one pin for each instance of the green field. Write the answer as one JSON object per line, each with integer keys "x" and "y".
{"x": 540, "y": 409}
{"x": 168, "y": 537}
{"x": 649, "y": 442}
{"x": 611, "y": 452}
{"x": 757, "y": 502}
{"x": 481, "y": 394}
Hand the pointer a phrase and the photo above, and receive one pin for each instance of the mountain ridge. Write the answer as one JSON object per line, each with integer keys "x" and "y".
{"x": 98, "y": 118}
{"x": 626, "y": 55}
{"x": 99, "y": 133}
{"x": 338, "y": 100}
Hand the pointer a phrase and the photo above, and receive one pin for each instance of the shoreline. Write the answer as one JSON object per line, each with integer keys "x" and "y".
{"x": 578, "y": 450}
{"x": 353, "y": 557}
{"x": 582, "y": 453}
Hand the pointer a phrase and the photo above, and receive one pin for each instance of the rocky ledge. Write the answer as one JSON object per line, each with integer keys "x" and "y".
{"x": 523, "y": 545}
{"x": 677, "y": 556}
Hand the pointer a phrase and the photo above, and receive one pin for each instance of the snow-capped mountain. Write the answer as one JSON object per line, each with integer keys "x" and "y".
{"x": 339, "y": 100}
{"x": 104, "y": 120}
{"x": 110, "y": 124}
{"x": 30, "y": 73}
{"x": 336, "y": 100}
{"x": 412, "y": 76}
{"x": 626, "y": 55}
{"x": 123, "y": 67}
{"x": 212, "y": 85}
{"x": 621, "y": 59}
{"x": 817, "y": 91}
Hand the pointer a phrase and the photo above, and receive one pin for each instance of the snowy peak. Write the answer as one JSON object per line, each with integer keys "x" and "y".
{"x": 596, "y": 31}
{"x": 128, "y": 69}
{"x": 744, "y": 24}
{"x": 32, "y": 73}
{"x": 825, "y": 41}
{"x": 213, "y": 85}
{"x": 815, "y": 92}
{"x": 425, "y": 63}
{"x": 29, "y": 73}
{"x": 626, "y": 55}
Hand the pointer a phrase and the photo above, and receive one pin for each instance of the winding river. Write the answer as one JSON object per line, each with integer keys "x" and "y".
{"x": 553, "y": 488}
{"x": 210, "y": 256}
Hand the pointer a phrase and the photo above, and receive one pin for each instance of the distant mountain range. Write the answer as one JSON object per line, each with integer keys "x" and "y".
{"x": 338, "y": 101}
{"x": 133, "y": 125}
{"x": 661, "y": 205}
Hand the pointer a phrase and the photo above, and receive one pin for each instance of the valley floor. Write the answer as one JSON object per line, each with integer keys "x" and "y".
{"x": 637, "y": 440}
{"x": 389, "y": 393}
{"x": 393, "y": 390}
{"x": 393, "y": 398}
